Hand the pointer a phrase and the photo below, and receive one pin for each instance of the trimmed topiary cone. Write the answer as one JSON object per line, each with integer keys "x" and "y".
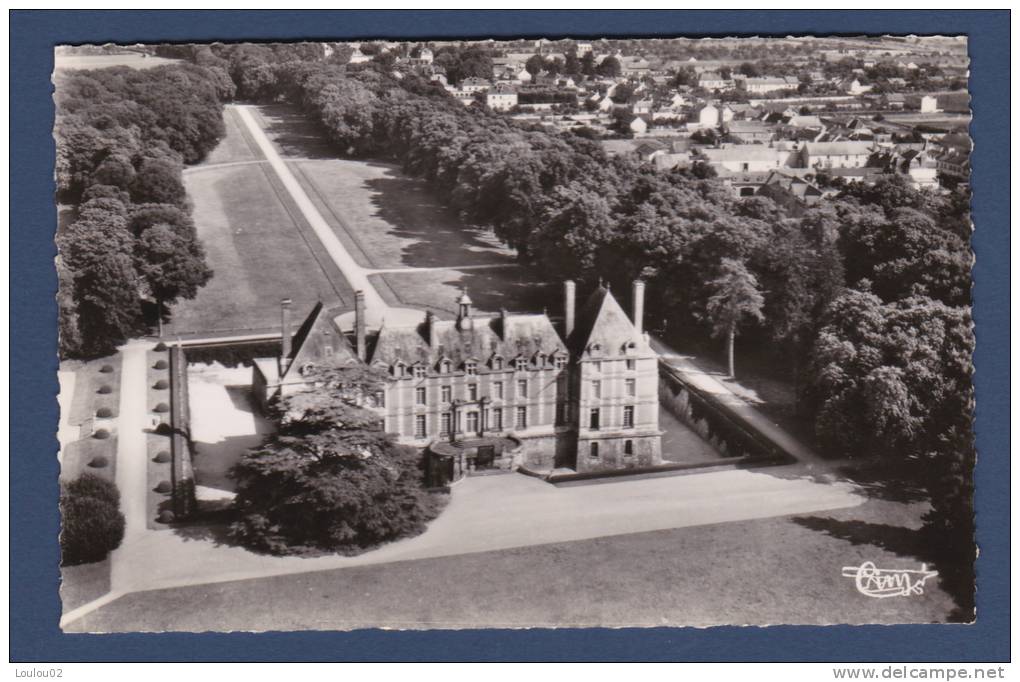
{"x": 98, "y": 462}
{"x": 104, "y": 413}
{"x": 162, "y": 407}
{"x": 161, "y": 385}
{"x": 105, "y": 389}
{"x": 166, "y": 516}
{"x": 164, "y": 487}
{"x": 101, "y": 434}
{"x": 106, "y": 369}
{"x": 160, "y": 346}
{"x": 164, "y": 429}
{"x": 160, "y": 364}
{"x": 162, "y": 457}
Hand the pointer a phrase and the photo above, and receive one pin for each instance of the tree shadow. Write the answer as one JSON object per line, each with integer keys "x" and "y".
{"x": 294, "y": 133}
{"x": 884, "y": 481}
{"x": 901, "y": 541}
{"x": 434, "y": 235}
{"x": 209, "y": 526}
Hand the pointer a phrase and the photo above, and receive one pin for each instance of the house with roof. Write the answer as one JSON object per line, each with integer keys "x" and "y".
{"x": 502, "y": 97}
{"x": 712, "y": 81}
{"x": 767, "y": 84}
{"x": 749, "y": 132}
{"x": 505, "y": 391}
{"x": 639, "y": 126}
{"x": 792, "y": 184}
{"x": 744, "y": 158}
{"x": 705, "y": 116}
{"x": 474, "y": 84}
{"x": 848, "y": 154}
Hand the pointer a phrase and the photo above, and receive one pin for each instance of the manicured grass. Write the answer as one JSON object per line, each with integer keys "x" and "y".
{"x": 154, "y": 443}
{"x": 82, "y": 414}
{"x": 260, "y": 250}
{"x": 103, "y": 61}
{"x": 234, "y": 147}
{"x": 514, "y": 288}
{"x": 385, "y": 218}
{"x": 769, "y": 571}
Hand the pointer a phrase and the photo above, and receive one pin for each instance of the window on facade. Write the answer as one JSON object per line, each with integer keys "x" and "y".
{"x": 522, "y": 388}
{"x": 631, "y": 385}
{"x": 445, "y": 422}
{"x": 497, "y": 418}
{"x": 328, "y": 350}
{"x": 471, "y": 367}
{"x": 593, "y": 450}
{"x": 596, "y": 389}
{"x": 497, "y": 390}
{"x": 628, "y": 417}
{"x": 593, "y": 419}
{"x": 628, "y": 447}
{"x": 419, "y": 426}
{"x": 561, "y": 413}
{"x": 597, "y": 366}
{"x": 522, "y": 417}
{"x": 521, "y": 364}
{"x": 380, "y": 399}
{"x": 472, "y": 392}
{"x": 419, "y": 395}
{"x": 631, "y": 364}
{"x": 447, "y": 393}
{"x": 419, "y": 372}
{"x": 560, "y": 361}
{"x": 472, "y": 422}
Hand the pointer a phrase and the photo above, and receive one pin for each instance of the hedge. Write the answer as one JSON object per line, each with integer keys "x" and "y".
{"x": 101, "y": 434}
{"x": 92, "y": 522}
{"x": 104, "y": 413}
{"x": 105, "y": 389}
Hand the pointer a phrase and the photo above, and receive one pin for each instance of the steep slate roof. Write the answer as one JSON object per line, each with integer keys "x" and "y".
{"x": 742, "y": 152}
{"x": 602, "y": 321}
{"x": 318, "y": 331}
{"x": 508, "y": 335}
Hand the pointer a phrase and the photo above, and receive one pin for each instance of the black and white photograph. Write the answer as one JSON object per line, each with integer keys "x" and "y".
{"x": 515, "y": 333}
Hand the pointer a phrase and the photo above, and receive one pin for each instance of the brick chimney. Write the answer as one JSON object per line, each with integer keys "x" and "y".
{"x": 286, "y": 336}
{"x": 359, "y": 324}
{"x": 639, "y": 305}
{"x": 569, "y": 299}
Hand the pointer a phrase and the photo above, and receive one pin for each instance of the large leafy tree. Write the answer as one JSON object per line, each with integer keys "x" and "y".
{"x": 170, "y": 265}
{"x": 735, "y": 297}
{"x": 331, "y": 480}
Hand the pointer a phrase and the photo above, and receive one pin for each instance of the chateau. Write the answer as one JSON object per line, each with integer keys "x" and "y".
{"x": 498, "y": 391}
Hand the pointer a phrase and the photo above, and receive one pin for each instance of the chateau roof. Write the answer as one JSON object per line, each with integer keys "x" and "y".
{"x": 479, "y": 337}
{"x": 601, "y": 321}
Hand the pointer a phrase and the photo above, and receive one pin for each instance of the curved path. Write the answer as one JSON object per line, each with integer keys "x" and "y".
{"x": 376, "y": 308}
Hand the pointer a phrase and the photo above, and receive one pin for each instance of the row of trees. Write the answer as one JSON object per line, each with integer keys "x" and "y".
{"x": 123, "y": 136}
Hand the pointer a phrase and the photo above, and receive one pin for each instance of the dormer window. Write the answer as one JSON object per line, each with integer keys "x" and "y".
{"x": 445, "y": 366}
{"x": 497, "y": 362}
{"x": 540, "y": 360}
{"x": 419, "y": 371}
{"x": 399, "y": 370}
{"x": 560, "y": 361}
{"x": 471, "y": 368}
{"x": 520, "y": 364}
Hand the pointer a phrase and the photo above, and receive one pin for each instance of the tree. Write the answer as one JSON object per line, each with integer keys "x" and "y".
{"x": 170, "y": 265}
{"x": 735, "y": 296}
{"x": 92, "y": 523}
{"x": 610, "y": 67}
{"x": 331, "y": 480}
{"x": 535, "y": 64}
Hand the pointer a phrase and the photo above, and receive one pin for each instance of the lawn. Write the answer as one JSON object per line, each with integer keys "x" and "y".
{"x": 63, "y": 62}
{"x": 769, "y": 571}
{"x": 82, "y": 415}
{"x": 235, "y": 147}
{"x": 385, "y": 218}
{"x": 514, "y": 288}
{"x": 260, "y": 249}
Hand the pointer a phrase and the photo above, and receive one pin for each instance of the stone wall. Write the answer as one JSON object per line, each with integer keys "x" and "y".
{"x": 711, "y": 420}
{"x": 182, "y": 472}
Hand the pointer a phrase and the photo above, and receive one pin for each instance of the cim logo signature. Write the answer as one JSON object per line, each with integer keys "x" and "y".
{"x": 885, "y": 582}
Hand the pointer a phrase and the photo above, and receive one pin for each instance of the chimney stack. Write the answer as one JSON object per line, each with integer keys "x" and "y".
{"x": 639, "y": 306}
{"x": 359, "y": 324}
{"x": 430, "y": 327}
{"x": 568, "y": 307}
{"x": 285, "y": 330}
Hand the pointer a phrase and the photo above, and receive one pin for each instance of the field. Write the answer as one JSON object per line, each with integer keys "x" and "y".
{"x": 259, "y": 247}
{"x": 790, "y": 572}
{"x": 64, "y": 62}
